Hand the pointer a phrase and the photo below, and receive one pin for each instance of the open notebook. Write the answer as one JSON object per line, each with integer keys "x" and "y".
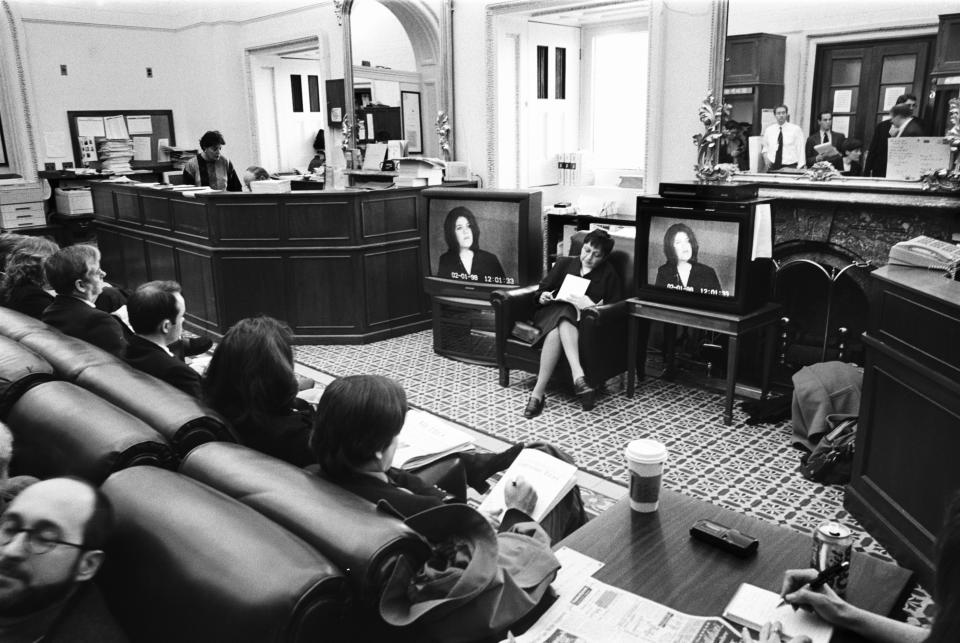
{"x": 550, "y": 477}
{"x": 753, "y": 606}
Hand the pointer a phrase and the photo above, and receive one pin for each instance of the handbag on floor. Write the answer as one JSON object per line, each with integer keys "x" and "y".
{"x": 525, "y": 332}
{"x": 832, "y": 458}
{"x": 476, "y": 584}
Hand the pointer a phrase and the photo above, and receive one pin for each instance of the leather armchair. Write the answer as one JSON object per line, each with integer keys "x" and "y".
{"x": 189, "y": 564}
{"x": 177, "y": 416}
{"x": 20, "y": 369}
{"x": 347, "y": 529}
{"x": 67, "y": 355}
{"x": 603, "y": 329}
{"x": 61, "y": 429}
{"x": 16, "y": 325}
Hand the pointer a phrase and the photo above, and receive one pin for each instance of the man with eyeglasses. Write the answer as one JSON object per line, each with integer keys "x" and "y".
{"x": 74, "y": 273}
{"x": 51, "y": 540}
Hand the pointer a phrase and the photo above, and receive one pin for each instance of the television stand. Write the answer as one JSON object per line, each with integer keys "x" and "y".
{"x": 463, "y": 329}
{"x": 734, "y": 326}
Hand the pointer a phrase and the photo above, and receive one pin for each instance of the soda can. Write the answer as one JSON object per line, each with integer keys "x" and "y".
{"x": 832, "y": 544}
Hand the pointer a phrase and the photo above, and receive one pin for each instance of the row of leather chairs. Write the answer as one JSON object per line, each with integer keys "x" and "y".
{"x": 214, "y": 541}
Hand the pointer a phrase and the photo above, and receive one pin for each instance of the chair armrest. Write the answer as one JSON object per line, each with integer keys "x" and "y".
{"x": 510, "y": 306}
{"x": 603, "y": 339}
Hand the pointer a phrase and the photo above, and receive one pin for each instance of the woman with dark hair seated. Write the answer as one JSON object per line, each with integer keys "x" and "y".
{"x": 558, "y": 319}
{"x": 464, "y": 259}
{"x": 24, "y": 286}
{"x": 355, "y": 437}
{"x": 250, "y": 381}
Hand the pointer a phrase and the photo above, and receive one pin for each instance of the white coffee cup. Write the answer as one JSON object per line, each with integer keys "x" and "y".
{"x": 645, "y": 460}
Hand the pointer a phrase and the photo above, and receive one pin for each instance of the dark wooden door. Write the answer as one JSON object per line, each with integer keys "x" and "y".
{"x": 860, "y": 81}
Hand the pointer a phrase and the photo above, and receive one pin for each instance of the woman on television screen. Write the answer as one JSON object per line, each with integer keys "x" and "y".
{"x": 682, "y": 270}
{"x": 464, "y": 259}
{"x": 558, "y": 315}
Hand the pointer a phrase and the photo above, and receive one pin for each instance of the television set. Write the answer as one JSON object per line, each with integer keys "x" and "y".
{"x": 708, "y": 255}
{"x": 497, "y": 232}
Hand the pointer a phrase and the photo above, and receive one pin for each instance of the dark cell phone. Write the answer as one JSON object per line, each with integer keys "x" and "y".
{"x": 724, "y": 537}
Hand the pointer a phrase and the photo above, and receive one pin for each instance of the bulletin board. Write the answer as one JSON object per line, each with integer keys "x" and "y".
{"x": 159, "y": 122}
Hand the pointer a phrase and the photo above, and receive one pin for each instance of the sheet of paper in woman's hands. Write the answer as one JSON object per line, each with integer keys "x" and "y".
{"x": 573, "y": 285}
{"x": 753, "y": 606}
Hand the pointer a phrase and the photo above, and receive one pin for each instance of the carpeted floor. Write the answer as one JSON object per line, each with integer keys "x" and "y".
{"x": 750, "y": 469}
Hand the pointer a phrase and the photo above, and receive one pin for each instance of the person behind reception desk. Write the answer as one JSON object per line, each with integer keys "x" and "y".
{"x": 464, "y": 258}
{"x": 683, "y": 271}
{"x": 823, "y": 136}
{"x": 852, "y": 152}
{"x": 782, "y": 142}
{"x": 873, "y": 627}
{"x": 254, "y": 173}
{"x": 876, "y": 161}
{"x": 209, "y": 167}
{"x": 251, "y": 382}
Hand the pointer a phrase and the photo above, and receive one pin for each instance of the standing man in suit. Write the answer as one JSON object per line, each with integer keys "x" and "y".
{"x": 876, "y": 161}
{"x": 156, "y": 311}
{"x": 823, "y": 135}
{"x": 783, "y": 142}
{"x": 75, "y": 274}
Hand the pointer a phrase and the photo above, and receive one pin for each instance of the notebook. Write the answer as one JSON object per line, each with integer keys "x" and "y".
{"x": 752, "y": 606}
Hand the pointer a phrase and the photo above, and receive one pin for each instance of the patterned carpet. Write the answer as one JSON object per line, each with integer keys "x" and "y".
{"x": 750, "y": 469}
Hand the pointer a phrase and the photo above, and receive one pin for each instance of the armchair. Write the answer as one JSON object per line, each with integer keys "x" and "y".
{"x": 603, "y": 329}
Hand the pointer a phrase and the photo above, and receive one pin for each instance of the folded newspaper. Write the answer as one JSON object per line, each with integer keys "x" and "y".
{"x": 426, "y": 438}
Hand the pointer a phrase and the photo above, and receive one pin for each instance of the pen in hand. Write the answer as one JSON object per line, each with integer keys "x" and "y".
{"x": 822, "y": 578}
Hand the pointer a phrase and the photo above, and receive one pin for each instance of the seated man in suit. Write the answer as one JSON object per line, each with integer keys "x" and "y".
{"x": 156, "y": 312}
{"x": 74, "y": 273}
{"x": 51, "y": 540}
{"x": 852, "y": 152}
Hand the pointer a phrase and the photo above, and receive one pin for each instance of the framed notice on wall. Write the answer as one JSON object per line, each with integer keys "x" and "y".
{"x": 412, "y": 123}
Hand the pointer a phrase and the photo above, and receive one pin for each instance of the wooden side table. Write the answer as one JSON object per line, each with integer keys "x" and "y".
{"x": 731, "y": 325}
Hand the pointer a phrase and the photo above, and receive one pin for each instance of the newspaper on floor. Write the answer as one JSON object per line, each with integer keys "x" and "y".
{"x": 588, "y": 611}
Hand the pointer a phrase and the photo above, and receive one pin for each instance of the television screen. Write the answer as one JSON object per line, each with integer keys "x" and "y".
{"x": 475, "y": 241}
{"x": 693, "y": 255}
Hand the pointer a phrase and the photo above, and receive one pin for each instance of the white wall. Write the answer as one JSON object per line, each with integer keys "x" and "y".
{"x": 379, "y": 38}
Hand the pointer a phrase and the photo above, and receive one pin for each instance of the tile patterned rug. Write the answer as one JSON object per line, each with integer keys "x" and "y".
{"x": 750, "y": 469}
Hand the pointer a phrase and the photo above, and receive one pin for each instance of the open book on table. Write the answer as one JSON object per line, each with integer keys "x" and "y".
{"x": 426, "y": 438}
{"x": 550, "y": 477}
{"x": 753, "y": 606}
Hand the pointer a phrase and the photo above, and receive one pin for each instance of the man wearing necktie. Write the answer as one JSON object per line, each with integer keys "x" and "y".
{"x": 825, "y": 135}
{"x": 783, "y": 142}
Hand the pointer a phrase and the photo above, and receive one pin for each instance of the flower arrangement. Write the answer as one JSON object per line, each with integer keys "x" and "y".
{"x": 821, "y": 171}
{"x": 443, "y": 133}
{"x": 712, "y": 112}
{"x": 948, "y": 179}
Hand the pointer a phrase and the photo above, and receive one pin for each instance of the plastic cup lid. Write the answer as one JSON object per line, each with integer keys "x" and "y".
{"x": 646, "y": 451}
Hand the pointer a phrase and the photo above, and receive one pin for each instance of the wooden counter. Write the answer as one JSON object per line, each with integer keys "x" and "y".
{"x": 339, "y": 266}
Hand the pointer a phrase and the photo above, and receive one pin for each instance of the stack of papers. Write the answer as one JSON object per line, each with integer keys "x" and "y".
{"x": 419, "y": 168}
{"x": 115, "y": 154}
{"x": 550, "y": 477}
{"x": 179, "y": 155}
{"x": 753, "y": 606}
{"x": 426, "y": 438}
{"x": 270, "y": 186}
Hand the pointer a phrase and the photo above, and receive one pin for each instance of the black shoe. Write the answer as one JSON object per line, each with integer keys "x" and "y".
{"x": 534, "y": 407}
{"x": 196, "y": 345}
{"x": 480, "y": 466}
{"x": 585, "y": 393}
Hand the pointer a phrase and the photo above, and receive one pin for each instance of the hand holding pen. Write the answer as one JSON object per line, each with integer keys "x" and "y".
{"x": 799, "y": 591}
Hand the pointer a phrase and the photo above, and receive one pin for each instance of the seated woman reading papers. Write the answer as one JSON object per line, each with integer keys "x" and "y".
{"x": 594, "y": 282}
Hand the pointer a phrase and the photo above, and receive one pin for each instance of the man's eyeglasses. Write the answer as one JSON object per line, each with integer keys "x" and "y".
{"x": 38, "y": 540}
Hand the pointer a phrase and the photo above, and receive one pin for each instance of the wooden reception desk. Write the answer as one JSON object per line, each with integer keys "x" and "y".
{"x": 339, "y": 266}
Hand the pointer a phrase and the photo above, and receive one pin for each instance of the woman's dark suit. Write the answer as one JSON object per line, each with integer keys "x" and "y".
{"x": 701, "y": 278}
{"x": 604, "y": 286}
{"x": 485, "y": 264}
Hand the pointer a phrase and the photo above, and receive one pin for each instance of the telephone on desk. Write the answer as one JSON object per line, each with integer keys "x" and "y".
{"x": 925, "y": 252}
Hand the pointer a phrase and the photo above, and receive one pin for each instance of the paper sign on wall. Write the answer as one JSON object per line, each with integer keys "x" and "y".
{"x": 910, "y": 156}
{"x": 139, "y": 124}
{"x": 841, "y": 124}
{"x": 842, "y": 99}
{"x": 90, "y": 126}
